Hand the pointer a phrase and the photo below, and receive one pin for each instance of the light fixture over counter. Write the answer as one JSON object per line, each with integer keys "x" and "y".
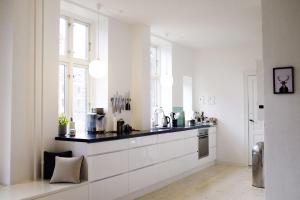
{"x": 97, "y": 67}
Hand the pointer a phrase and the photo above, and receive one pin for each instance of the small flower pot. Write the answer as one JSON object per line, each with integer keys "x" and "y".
{"x": 62, "y": 130}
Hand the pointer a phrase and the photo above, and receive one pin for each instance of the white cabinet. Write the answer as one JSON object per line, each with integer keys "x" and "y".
{"x": 212, "y": 154}
{"x": 107, "y": 165}
{"x": 142, "y": 141}
{"x": 212, "y": 140}
{"x": 165, "y": 170}
{"x": 190, "y": 145}
{"x": 107, "y": 147}
{"x": 79, "y": 193}
{"x": 142, "y": 156}
{"x": 143, "y": 178}
{"x": 109, "y": 189}
{"x": 120, "y": 167}
{"x": 190, "y": 133}
{"x": 167, "y": 137}
{"x": 170, "y": 150}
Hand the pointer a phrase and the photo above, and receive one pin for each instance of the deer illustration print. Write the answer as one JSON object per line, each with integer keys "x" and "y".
{"x": 283, "y": 88}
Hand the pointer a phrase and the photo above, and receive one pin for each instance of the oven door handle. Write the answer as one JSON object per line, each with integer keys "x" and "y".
{"x": 203, "y": 136}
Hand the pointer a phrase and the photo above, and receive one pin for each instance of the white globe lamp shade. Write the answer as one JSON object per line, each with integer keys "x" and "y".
{"x": 97, "y": 69}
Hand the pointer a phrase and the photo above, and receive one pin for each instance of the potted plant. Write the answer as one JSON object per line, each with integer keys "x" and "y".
{"x": 62, "y": 124}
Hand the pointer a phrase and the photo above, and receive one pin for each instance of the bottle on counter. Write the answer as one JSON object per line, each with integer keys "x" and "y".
{"x": 72, "y": 127}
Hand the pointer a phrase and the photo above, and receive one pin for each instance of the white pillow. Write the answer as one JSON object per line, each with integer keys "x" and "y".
{"x": 67, "y": 170}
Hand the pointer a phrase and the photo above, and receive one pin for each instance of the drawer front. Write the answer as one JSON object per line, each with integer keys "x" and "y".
{"x": 212, "y": 130}
{"x": 212, "y": 154}
{"x": 143, "y": 178}
{"x": 72, "y": 194}
{"x": 212, "y": 140}
{"x": 142, "y": 141}
{"x": 165, "y": 170}
{"x": 106, "y": 147}
{"x": 109, "y": 189}
{"x": 191, "y": 133}
{"x": 170, "y": 136}
{"x": 142, "y": 156}
{"x": 190, "y": 145}
{"x": 107, "y": 165}
{"x": 170, "y": 150}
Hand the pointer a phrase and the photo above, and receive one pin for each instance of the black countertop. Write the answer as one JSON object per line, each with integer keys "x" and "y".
{"x": 92, "y": 138}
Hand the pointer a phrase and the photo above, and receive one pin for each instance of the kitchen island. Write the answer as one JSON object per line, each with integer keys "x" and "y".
{"x": 129, "y": 166}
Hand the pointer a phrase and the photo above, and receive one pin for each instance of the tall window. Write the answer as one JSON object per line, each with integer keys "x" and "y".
{"x": 74, "y": 53}
{"x": 161, "y": 75}
{"x": 155, "y": 78}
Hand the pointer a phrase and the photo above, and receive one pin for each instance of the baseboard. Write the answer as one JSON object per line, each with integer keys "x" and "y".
{"x": 166, "y": 182}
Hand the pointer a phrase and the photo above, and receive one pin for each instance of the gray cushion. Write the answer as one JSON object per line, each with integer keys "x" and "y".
{"x": 67, "y": 170}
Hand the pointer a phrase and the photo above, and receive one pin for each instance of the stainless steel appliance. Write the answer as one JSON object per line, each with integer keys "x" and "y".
{"x": 203, "y": 143}
{"x": 258, "y": 165}
{"x": 96, "y": 121}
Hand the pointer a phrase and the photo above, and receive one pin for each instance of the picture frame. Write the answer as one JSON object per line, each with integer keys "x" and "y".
{"x": 283, "y": 80}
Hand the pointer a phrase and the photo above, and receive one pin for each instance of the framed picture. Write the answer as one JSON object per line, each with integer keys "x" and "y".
{"x": 283, "y": 80}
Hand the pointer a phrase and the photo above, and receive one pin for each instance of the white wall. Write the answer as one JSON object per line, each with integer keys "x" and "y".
{"x": 220, "y": 73}
{"x": 281, "y": 47}
{"x": 119, "y": 65}
{"x": 31, "y": 87}
{"x": 183, "y": 60}
{"x": 140, "y": 81}
{"x": 6, "y": 54}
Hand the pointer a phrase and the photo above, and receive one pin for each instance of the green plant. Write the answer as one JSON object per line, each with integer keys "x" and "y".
{"x": 62, "y": 119}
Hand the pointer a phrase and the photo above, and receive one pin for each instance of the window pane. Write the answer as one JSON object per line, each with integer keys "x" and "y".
{"x": 62, "y": 36}
{"x": 153, "y": 57}
{"x": 79, "y": 97}
{"x": 61, "y": 89}
{"x": 80, "y": 41}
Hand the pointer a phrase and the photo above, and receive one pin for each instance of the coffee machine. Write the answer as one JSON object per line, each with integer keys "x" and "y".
{"x": 96, "y": 121}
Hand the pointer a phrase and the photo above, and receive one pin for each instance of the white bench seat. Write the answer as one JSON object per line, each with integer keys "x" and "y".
{"x": 40, "y": 190}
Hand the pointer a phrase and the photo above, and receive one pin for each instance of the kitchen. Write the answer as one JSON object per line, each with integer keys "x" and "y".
{"x": 163, "y": 104}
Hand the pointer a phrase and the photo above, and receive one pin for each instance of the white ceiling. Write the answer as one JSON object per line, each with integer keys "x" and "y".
{"x": 194, "y": 23}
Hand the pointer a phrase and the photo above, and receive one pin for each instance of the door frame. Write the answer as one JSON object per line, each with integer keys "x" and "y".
{"x": 246, "y": 115}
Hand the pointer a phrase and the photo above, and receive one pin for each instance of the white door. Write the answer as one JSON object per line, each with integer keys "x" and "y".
{"x": 255, "y": 126}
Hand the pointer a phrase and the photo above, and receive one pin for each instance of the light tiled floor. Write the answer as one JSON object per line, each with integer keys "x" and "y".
{"x": 219, "y": 182}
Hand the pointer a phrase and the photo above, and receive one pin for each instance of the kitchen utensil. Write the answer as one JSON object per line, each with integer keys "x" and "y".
{"x": 120, "y": 127}
{"x": 166, "y": 121}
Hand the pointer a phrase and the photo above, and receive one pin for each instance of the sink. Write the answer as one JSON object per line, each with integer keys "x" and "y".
{"x": 161, "y": 129}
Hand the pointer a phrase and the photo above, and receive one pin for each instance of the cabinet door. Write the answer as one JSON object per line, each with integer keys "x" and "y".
{"x": 79, "y": 193}
{"x": 170, "y": 136}
{"x": 142, "y": 157}
{"x": 107, "y": 147}
{"x": 165, "y": 170}
{"x": 143, "y": 178}
{"x": 190, "y": 145}
{"x": 191, "y": 133}
{"x": 170, "y": 150}
{"x": 212, "y": 154}
{"x": 142, "y": 141}
{"x": 212, "y": 130}
{"x": 212, "y": 140}
{"x": 107, "y": 165}
{"x": 109, "y": 189}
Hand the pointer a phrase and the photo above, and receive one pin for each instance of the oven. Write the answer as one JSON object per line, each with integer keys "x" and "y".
{"x": 203, "y": 143}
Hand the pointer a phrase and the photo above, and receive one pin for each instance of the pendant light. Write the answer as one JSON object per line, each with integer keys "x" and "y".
{"x": 97, "y": 67}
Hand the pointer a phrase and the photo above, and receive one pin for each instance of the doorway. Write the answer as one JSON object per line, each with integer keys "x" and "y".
{"x": 255, "y": 125}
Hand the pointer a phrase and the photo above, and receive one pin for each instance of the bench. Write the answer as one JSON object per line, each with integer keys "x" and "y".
{"x": 42, "y": 190}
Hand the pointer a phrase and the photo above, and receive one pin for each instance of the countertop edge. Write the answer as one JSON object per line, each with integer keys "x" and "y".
{"x": 93, "y": 138}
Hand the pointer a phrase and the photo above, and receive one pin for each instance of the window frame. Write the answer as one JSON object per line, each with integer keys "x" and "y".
{"x": 70, "y": 62}
{"x": 156, "y": 78}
